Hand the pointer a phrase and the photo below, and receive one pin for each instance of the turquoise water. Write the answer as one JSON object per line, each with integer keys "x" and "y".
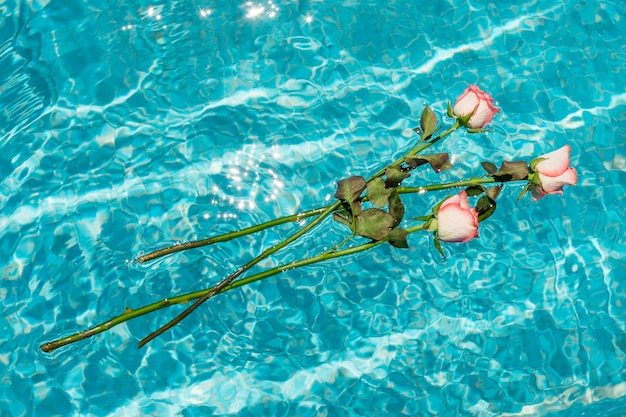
{"x": 128, "y": 126}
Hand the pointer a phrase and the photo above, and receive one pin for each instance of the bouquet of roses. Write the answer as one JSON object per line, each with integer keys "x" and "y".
{"x": 372, "y": 209}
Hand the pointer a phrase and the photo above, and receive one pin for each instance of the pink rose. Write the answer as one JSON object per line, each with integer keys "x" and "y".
{"x": 456, "y": 220}
{"x": 476, "y": 103}
{"x": 552, "y": 173}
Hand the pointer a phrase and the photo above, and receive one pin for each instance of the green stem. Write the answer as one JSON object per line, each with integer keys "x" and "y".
{"x": 185, "y": 298}
{"x": 340, "y": 244}
{"x": 230, "y": 235}
{"x": 448, "y": 185}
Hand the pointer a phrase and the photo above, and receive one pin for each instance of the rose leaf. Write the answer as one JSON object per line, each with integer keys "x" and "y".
{"x": 374, "y": 223}
{"x": 350, "y": 189}
{"x": 377, "y": 193}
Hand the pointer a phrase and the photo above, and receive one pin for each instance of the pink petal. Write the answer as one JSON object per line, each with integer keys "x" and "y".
{"x": 456, "y": 224}
{"x": 555, "y": 163}
{"x": 465, "y": 104}
{"x": 554, "y": 185}
{"x": 463, "y": 201}
{"x": 483, "y": 115}
{"x": 455, "y": 200}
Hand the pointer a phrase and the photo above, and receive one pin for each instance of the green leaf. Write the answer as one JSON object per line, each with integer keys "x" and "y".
{"x": 343, "y": 217}
{"x": 428, "y": 123}
{"x": 394, "y": 176}
{"x": 489, "y": 167}
{"x": 396, "y": 207}
{"x": 415, "y": 161}
{"x": 526, "y": 188}
{"x": 377, "y": 193}
{"x": 511, "y": 171}
{"x": 350, "y": 189}
{"x": 439, "y": 161}
{"x": 438, "y": 246}
{"x": 374, "y": 223}
{"x": 475, "y": 190}
{"x": 450, "y": 111}
{"x": 397, "y": 238}
{"x": 485, "y": 207}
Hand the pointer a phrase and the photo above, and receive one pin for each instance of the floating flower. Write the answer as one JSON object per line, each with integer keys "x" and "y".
{"x": 552, "y": 172}
{"x": 456, "y": 220}
{"x": 477, "y": 105}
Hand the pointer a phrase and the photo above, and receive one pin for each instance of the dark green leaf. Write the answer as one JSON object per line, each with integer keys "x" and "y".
{"x": 377, "y": 193}
{"x": 485, "y": 208}
{"x": 489, "y": 167}
{"x": 350, "y": 189}
{"x": 343, "y": 217}
{"x": 415, "y": 161}
{"x": 511, "y": 171}
{"x": 475, "y": 190}
{"x": 394, "y": 176}
{"x": 439, "y": 161}
{"x": 397, "y": 238}
{"x": 374, "y": 223}
{"x": 396, "y": 207}
{"x": 428, "y": 123}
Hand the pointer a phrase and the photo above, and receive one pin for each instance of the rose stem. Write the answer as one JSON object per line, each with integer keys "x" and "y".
{"x": 230, "y": 235}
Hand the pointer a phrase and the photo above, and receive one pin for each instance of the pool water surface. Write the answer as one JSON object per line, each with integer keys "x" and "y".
{"x": 128, "y": 126}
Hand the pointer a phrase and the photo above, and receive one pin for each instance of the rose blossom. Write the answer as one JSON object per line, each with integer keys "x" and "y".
{"x": 456, "y": 221}
{"x": 476, "y": 103}
{"x": 552, "y": 173}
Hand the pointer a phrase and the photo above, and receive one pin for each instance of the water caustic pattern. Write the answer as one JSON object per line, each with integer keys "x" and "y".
{"x": 127, "y": 126}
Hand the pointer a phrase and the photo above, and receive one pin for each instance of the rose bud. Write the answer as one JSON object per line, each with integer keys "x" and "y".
{"x": 552, "y": 172}
{"x": 477, "y": 105}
